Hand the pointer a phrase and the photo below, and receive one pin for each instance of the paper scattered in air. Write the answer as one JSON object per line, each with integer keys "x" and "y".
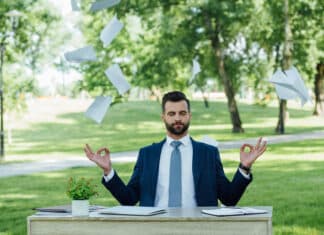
{"x": 110, "y": 31}
{"x": 195, "y": 69}
{"x": 116, "y": 77}
{"x": 99, "y": 5}
{"x": 75, "y": 4}
{"x": 98, "y": 108}
{"x": 289, "y": 85}
{"x": 80, "y": 55}
{"x": 208, "y": 140}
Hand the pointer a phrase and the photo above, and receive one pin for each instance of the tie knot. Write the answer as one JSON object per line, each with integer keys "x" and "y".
{"x": 175, "y": 144}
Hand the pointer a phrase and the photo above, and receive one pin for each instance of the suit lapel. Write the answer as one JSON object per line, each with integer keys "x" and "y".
{"x": 156, "y": 155}
{"x": 196, "y": 163}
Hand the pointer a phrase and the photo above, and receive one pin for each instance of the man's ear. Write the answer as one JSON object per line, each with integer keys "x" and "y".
{"x": 162, "y": 116}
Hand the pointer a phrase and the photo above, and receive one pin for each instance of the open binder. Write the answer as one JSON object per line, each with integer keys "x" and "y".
{"x": 132, "y": 210}
{"x": 231, "y": 211}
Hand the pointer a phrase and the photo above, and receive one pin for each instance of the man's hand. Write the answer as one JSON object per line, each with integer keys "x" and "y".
{"x": 248, "y": 157}
{"x": 101, "y": 158}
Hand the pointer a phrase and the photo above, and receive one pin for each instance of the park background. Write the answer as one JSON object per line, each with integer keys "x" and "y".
{"x": 239, "y": 45}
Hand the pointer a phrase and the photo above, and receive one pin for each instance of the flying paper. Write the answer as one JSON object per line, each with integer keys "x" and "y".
{"x": 99, "y": 5}
{"x": 110, "y": 31}
{"x": 195, "y": 70}
{"x": 116, "y": 77}
{"x": 75, "y": 4}
{"x": 208, "y": 140}
{"x": 80, "y": 55}
{"x": 98, "y": 108}
{"x": 289, "y": 85}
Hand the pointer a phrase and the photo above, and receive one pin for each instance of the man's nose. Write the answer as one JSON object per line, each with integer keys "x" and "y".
{"x": 177, "y": 116}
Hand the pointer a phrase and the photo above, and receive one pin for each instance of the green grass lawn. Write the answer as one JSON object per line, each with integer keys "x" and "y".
{"x": 288, "y": 177}
{"x": 289, "y": 182}
{"x": 59, "y": 127}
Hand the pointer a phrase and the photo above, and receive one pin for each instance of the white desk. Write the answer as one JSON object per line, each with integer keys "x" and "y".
{"x": 175, "y": 221}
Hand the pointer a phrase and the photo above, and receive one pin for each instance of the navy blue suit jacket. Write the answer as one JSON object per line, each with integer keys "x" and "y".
{"x": 210, "y": 182}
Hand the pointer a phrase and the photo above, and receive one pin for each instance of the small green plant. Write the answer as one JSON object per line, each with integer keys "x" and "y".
{"x": 81, "y": 189}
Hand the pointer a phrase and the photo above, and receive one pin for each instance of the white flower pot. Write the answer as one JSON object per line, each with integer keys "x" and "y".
{"x": 80, "y": 207}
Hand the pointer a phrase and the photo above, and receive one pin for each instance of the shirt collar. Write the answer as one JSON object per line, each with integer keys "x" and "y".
{"x": 184, "y": 140}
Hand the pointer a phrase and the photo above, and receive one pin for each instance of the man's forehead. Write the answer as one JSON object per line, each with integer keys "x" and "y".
{"x": 176, "y": 106}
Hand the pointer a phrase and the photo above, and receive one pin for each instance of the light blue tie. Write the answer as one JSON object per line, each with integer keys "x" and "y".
{"x": 175, "y": 176}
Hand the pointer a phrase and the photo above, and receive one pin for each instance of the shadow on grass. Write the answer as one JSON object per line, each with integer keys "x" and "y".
{"x": 139, "y": 124}
{"x": 293, "y": 189}
{"x": 299, "y": 147}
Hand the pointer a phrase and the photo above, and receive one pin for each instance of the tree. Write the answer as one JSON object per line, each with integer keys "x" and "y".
{"x": 319, "y": 90}
{"x": 19, "y": 46}
{"x": 40, "y": 27}
{"x": 290, "y": 33}
{"x": 174, "y": 32}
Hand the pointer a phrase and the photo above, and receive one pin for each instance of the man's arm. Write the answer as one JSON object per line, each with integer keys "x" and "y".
{"x": 126, "y": 195}
{"x": 235, "y": 189}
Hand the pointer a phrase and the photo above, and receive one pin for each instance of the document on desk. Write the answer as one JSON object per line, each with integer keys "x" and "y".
{"x": 65, "y": 208}
{"x": 230, "y": 211}
{"x": 132, "y": 210}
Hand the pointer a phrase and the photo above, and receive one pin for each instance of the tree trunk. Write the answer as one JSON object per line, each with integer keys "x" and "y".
{"x": 319, "y": 90}
{"x": 214, "y": 36}
{"x": 206, "y": 103}
{"x": 230, "y": 94}
{"x": 280, "y": 129}
{"x": 205, "y": 98}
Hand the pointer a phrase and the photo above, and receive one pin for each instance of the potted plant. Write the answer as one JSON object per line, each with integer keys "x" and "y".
{"x": 80, "y": 191}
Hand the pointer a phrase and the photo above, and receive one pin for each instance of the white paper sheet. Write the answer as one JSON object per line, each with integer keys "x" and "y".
{"x": 283, "y": 86}
{"x": 110, "y": 31}
{"x": 98, "y": 109}
{"x": 99, "y": 5}
{"x": 298, "y": 85}
{"x": 195, "y": 69}
{"x": 82, "y": 54}
{"x": 289, "y": 85}
{"x": 75, "y": 4}
{"x": 132, "y": 210}
{"x": 231, "y": 211}
{"x": 116, "y": 77}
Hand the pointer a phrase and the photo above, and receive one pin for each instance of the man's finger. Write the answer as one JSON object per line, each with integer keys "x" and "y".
{"x": 258, "y": 142}
{"x": 89, "y": 149}
{"x": 261, "y": 150}
{"x": 246, "y": 146}
{"x": 103, "y": 150}
{"x": 88, "y": 154}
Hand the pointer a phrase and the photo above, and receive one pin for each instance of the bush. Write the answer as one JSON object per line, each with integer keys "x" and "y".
{"x": 81, "y": 189}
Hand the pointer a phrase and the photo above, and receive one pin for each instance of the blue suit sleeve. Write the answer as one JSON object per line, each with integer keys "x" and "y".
{"x": 126, "y": 194}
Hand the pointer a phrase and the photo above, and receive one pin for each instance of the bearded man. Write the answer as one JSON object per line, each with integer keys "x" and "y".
{"x": 178, "y": 171}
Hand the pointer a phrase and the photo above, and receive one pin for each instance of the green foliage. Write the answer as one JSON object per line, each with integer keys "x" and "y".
{"x": 27, "y": 42}
{"x": 305, "y": 20}
{"x": 81, "y": 189}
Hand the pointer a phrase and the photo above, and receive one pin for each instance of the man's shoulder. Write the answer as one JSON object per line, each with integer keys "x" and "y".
{"x": 153, "y": 146}
{"x": 202, "y": 145}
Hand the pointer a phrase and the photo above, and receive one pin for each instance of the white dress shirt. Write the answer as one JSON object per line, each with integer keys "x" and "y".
{"x": 187, "y": 182}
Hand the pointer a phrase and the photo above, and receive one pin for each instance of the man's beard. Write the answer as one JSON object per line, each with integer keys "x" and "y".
{"x": 179, "y": 130}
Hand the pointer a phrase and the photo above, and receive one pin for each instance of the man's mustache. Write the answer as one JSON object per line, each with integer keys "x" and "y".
{"x": 177, "y": 123}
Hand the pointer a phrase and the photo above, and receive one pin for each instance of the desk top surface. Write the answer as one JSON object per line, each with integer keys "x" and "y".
{"x": 183, "y": 214}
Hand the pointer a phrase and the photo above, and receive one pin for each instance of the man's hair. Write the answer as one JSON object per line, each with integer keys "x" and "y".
{"x": 174, "y": 96}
